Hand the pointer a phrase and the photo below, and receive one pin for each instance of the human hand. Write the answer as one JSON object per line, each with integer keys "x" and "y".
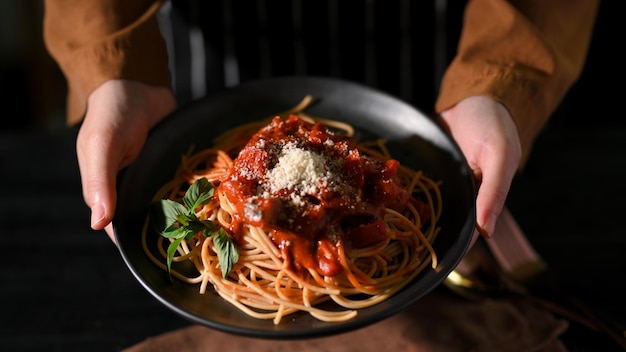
{"x": 119, "y": 115}
{"x": 488, "y": 137}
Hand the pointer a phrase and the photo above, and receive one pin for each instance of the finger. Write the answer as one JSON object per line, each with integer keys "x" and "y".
{"x": 496, "y": 180}
{"x": 98, "y": 167}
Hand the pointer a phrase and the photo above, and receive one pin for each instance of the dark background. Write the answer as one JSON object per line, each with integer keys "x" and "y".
{"x": 65, "y": 287}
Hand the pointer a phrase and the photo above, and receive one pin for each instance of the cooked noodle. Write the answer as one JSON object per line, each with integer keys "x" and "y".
{"x": 262, "y": 284}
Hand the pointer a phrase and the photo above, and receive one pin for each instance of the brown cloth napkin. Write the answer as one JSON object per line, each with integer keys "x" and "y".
{"x": 439, "y": 322}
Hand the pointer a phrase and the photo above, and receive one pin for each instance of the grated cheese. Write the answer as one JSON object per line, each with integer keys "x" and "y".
{"x": 301, "y": 171}
{"x": 296, "y": 167}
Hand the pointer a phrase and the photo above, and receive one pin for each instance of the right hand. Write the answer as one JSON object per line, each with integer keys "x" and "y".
{"x": 488, "y": 137}
{"x": 119, "y": 115}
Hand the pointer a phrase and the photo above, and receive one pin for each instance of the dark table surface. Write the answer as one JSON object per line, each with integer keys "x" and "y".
{"x": 66, "y": 288}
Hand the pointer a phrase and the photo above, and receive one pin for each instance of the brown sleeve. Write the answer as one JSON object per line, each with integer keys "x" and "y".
{"x": 97, "y": 40}
{"x": 524, "y": 54}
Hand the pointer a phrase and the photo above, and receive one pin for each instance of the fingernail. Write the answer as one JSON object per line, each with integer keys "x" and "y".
{"x": 487, "y": 228}
{"x": 97, "y": 216}
{"x": 482, "y": 231}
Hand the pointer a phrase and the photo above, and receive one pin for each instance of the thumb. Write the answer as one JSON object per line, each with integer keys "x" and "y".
{"x": 98, "y": 164}
{"x": 491, "y": 198}
{"x": 497, "y": 171}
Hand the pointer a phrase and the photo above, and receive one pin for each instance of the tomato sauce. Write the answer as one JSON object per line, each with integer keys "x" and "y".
{"x": 313, "y": 191}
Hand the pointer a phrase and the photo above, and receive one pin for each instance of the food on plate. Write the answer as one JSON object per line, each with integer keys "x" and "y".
{"x": 283, "y": 214}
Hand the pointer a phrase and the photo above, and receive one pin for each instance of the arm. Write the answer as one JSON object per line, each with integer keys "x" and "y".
{"x": 98, "y": 40}
{"x": 115, "y": 63}
{"x": 515, "y": 62}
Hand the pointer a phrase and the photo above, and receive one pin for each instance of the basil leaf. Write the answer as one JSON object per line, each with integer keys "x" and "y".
{"x": 165, "y": 213}
{"x": 199, "y": 193}
{"x": 227, "y": 252}
{"x": 195, "y": 227}
{"x": 209, "y": 225}
{"x": 179, "y": 222}
{"x": 183, "y": 220}
{"x": 171, "y": 251}
{"x": 173, "y": 232}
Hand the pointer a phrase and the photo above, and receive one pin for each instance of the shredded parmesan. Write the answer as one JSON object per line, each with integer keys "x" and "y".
{"x": 296, "y": 168}
{"x": 301, "y": 172}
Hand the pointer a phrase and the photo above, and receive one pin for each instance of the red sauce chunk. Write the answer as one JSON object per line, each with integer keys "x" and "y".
{"x": 313, "y": 191}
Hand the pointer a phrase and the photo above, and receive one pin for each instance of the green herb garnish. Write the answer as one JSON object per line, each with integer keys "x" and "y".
{"x": 179, "y": 222}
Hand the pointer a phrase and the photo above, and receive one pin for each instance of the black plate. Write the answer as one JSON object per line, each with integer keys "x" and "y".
{"x": 414, "y": 139}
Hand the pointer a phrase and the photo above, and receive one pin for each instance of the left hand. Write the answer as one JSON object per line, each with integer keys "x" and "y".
{"x": 120, "y": 113}
{"x": 488, "y": 137}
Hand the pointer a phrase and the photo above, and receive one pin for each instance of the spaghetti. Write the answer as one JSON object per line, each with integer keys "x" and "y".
{"x": 314, "y": 217}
